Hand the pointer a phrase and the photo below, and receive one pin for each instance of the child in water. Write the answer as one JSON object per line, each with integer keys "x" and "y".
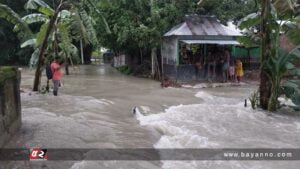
{"x": 239, "y": 72}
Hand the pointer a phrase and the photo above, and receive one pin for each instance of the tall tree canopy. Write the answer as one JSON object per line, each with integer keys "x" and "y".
{"x": 227, "y": 10}
{"x": 138, "y": 25}
{"x": 133, "y": 26}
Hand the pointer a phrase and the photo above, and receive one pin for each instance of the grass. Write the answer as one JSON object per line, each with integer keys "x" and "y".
{"x": 7, "y": 72}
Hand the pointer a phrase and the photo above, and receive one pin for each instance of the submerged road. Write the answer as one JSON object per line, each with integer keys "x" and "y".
{"x": 93, "y": 110}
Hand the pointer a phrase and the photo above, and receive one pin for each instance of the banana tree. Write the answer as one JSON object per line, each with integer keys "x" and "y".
{"x": 8, "y": 14}
{"x": 46, "y": 31}
{"x": 51, "y": 19}
{"x": 277, "y": 67}
{"x": 61, "y": 33}
{"x": 273, "y": 20}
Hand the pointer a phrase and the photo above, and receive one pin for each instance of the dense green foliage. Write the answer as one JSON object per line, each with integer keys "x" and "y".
{"x": 10, "y": 44}
{"x": 227, "y": 10}
{"x": 71, "y": 26}
{"x": 130, "y": 26}
{"x": 136, "y": 26}
{"x": 11, "y": 52}
{"x": 31, "y": 12}
{"x": 56, "y": 28}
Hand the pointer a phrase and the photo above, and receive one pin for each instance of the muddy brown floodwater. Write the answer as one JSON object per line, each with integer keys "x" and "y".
{"x": 94, "y": 110}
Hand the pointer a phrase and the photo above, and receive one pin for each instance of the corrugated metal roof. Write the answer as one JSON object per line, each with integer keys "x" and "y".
{"x": 219, "y": 42}
{"x": 202, "y": 25}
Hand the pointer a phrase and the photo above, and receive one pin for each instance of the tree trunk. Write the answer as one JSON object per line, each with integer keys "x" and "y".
{"x": 157, "y": 67}
{"x": 87, "y": 53}
{"x": 41, "y": 60}
{"x": 55, "y": 40}
{"x": 265, "y": 85}
{"x": 81, "y": 52}
{"x": 153, "y": 63}
{"x": 273, "y": 101}
{"x": 141, "y": 55}
{"x": 67, "y": 66}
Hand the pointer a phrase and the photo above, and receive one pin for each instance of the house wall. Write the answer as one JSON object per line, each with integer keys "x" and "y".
{"x": 169, "y": 50}
{"x": 183, "y": 73}
{"x": 189, "y": 73}
{"x": 285, "y": 43}
{"x": 10, "y": 103}
{"x": 120, "y": 60}
{"x": 249, "y": 57}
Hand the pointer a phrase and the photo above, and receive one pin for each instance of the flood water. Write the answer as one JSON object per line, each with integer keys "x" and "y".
{"x": 94, "y": 110}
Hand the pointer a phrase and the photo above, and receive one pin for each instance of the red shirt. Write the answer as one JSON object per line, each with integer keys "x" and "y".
{"x": 56, "y": 72}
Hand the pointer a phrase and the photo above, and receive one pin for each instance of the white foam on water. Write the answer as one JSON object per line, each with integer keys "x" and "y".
{"x": 286, "y": 101}
{"x": 145, "y": 109}
{"x": 220, "y": 122}
{"x": 200, "y": 86}
{"x": 187, "y": 86}
{"x": 212, "y": 85}
{"x": 204, "y": 95}
{"x": 107, "y": 101}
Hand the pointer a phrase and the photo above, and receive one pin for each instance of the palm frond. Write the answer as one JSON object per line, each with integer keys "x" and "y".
{"x": 41, "y": 6}
{"x": 91, "y": 33}
{"x": 8, "y": 14}
{"x": 42, "y": 33}
{"x": 78, "y": 28}
{"x": 30, "y": 42}
{"x": 65, "y": 39}
{"x": 35, "y": 4}
{"x": 34, "y": 57}
{"x": 34, "y": 18}
{"x": 64, "y": 14}
{"x": 47, "y": 11}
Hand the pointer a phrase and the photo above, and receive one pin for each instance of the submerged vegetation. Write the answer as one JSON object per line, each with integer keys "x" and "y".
{"x": 125, "y": 69}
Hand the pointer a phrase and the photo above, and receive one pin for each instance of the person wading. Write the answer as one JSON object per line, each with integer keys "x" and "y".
{"x": 56, "y": 75}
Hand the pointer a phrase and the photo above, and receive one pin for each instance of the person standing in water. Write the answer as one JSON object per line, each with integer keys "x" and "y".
{"x": 239, "y": 70}
{"x": 56, "y": 75}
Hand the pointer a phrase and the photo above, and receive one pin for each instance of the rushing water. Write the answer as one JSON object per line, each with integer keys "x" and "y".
{"x": 94, "y": 110}
{"x": 221, "y": 121}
